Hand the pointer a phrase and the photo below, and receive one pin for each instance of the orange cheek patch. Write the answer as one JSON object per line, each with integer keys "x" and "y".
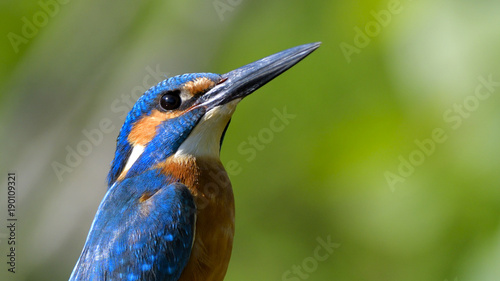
{"x": 198, "y": 85}
{"x": 144, "y": 130}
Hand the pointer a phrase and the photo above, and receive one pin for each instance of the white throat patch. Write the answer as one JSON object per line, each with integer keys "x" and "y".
{"x": 204, "y": 139}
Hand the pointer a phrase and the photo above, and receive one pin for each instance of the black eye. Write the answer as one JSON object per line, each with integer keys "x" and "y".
{"x": 170, "y": 100}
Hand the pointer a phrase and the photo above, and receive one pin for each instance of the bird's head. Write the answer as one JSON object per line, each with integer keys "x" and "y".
{"x": 188, "y": 114}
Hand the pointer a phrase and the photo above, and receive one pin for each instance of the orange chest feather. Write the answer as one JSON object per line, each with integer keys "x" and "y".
{"x": 211, "y": 188}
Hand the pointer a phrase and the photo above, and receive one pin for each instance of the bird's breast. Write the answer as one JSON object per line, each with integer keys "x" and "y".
{"x": 210, "y": 186}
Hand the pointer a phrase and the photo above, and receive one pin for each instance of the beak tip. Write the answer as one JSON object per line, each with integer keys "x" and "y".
{"x": 246, "y": 79}
{"x": 314, "y": 45}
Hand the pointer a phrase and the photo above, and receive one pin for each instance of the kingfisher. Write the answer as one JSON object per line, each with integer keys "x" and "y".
{"x": 168, "y": 213}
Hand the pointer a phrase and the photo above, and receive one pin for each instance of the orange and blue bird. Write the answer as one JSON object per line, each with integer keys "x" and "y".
{"x": 168, "y": 213}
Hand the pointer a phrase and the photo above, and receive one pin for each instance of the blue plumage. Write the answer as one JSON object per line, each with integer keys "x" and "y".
{"x": 159, "y": 149}
{"x": 134, "y": 240}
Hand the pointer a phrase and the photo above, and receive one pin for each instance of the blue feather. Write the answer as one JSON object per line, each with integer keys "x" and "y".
{"x": 173, "y": 133}
{"x": 134, "y": 240}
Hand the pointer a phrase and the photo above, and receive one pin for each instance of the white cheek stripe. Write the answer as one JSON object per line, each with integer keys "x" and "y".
{"x": 136, "y": 152}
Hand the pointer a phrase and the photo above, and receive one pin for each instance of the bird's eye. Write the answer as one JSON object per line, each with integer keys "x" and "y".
{"x": 170, "y": 100}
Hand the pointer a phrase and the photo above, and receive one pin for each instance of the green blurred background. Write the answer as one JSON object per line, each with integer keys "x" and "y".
{"x": 324, "y": 176}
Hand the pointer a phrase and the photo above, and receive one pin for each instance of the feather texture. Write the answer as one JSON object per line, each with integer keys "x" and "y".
{"x": 143, "y": 230}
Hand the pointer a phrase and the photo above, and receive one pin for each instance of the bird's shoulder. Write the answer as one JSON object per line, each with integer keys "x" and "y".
{"x": 143, "y": 229}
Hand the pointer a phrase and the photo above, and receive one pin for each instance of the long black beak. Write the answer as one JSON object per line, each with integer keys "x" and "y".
{"x": 241, "y": 82}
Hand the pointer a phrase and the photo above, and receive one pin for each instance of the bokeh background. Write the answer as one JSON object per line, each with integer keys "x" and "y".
{"x": 361, "y": 105}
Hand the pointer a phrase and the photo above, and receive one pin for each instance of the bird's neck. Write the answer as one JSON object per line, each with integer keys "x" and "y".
{"x": 200, "y": 174}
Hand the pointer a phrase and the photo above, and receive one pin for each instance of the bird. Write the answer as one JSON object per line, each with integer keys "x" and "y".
{"x": 169, "y": 213}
